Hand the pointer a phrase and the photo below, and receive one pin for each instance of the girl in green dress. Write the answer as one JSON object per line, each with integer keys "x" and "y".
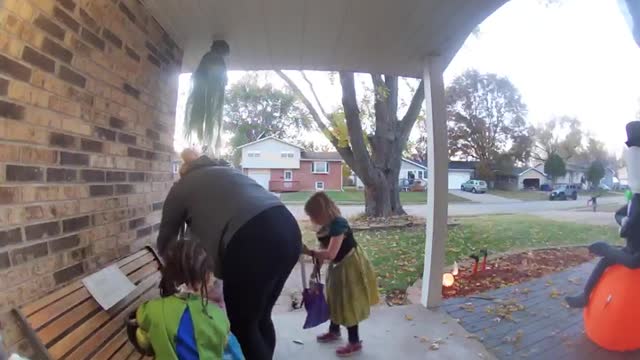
{"x": 351, "y": 281}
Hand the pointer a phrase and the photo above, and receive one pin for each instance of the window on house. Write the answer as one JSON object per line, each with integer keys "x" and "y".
{"x": 320, "y": 167}
{"x": 286, "y": 155}
{"x": 319, "y": 185}
{"x": 420, "y": 174}
{"x": 253, "y": 154}
{"x": 288, "y": 175}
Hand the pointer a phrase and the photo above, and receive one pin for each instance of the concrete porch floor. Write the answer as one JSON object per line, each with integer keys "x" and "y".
{"x": 404, "y": 332}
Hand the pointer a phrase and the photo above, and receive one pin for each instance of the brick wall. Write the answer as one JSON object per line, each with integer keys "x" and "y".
{"x": 307, "y": 180}
{"x": 87, "y": 101}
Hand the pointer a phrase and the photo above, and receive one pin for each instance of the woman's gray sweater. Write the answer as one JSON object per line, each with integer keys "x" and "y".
{"x": 217, "y": 201}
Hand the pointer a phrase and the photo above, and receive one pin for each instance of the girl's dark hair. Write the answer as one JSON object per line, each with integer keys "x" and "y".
{"x": 187, "y": 263}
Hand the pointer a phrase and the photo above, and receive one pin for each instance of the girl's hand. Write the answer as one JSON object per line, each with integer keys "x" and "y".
{"x": 306, "y": 250}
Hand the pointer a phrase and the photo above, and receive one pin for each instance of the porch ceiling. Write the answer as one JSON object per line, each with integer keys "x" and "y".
{"x": 384, "y": 36}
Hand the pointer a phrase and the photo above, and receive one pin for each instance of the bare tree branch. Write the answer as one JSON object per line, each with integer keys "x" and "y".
{"x": 345, "y": 152}
{"x": 352, "y": 116}
{"x": 315, "y": 95}
{"x": 410, "y": 117}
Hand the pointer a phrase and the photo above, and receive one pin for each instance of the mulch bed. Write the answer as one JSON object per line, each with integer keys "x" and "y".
{"x": 512, "y": 269}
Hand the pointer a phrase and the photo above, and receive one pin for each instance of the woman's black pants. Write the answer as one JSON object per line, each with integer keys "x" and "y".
{"x": 256, "y": 264}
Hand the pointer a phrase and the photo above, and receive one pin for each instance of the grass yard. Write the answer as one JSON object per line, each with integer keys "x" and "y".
{"x": 357, "y": 197}
{"x": 398, "y": 254}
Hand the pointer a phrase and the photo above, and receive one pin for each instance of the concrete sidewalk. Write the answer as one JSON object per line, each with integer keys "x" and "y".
{"x": 403, "y": 332}
{"x": 485, "y": 198}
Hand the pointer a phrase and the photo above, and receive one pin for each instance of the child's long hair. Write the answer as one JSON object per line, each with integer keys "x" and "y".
{"x": 321, "y": 209}
{"x": 187, "y": 263}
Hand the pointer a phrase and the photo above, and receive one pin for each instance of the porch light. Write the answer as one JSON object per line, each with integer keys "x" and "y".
{"x": 447, "y": 280}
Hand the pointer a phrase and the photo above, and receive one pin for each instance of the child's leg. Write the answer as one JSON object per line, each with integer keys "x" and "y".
{"x": 581, "y": 300}
{"x": 354, "y": 337}
{"x": 334, "y": 328}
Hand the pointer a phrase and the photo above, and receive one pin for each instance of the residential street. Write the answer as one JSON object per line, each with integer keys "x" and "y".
{"x": 506, "y": 206}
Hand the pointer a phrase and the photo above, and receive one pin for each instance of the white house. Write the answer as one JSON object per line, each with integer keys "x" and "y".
{"x": 283, "y": 167}
{"x": 576, "y": 174}
{"x": 409, "y": 170}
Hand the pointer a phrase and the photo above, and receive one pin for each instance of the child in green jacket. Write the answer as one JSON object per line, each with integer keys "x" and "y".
{"x": 183, "y": 324}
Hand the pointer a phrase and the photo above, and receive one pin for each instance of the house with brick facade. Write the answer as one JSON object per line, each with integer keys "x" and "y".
{"x": 283, "y": 167}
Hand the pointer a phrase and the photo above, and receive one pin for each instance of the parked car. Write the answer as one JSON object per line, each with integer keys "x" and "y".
{"x": 565, "y": 192}
{"x": 475, "y": 186}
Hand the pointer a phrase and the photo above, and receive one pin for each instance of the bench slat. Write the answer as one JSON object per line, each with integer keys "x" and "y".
{"x": 112, "y": 346}
{"x": 124, "y": 352}
{"x": 98, "y": 338}
{"x": 67, "y": 343}
{"x": 58, "y": 326}
{"x": 58, "y": 308}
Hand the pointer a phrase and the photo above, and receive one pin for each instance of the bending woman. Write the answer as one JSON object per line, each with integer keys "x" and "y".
{"x": 253, "y": 239}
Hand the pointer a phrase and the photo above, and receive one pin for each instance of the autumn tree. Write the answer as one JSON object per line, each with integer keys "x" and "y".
{"x": 555, "y": 167}
{"x": 486, "y": 118}
{"x": 373, "y": 152}
{"x": 562, "y": 136}
{"x": 253, "y": 110}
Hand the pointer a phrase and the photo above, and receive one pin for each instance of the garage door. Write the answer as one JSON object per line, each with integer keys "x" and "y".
{"x": 456, "y": 179}
{"x": 260, "y": 177}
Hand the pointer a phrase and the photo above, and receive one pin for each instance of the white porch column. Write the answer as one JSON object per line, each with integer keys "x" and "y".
{"x": 438, "y": 164}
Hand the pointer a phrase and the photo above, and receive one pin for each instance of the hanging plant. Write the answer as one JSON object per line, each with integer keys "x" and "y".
{"x": 203, "y": 117}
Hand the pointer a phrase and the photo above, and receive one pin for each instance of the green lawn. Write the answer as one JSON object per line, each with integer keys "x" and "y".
{"x": 398, "y": 254}
{"x": 357, "y": 197}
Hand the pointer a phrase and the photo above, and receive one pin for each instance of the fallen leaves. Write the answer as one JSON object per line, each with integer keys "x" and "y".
{"x": 555, "y": 293}
{"x": 515, "y": 339}
{"x": 505, "y": 309}
{"x": 408, "y": 317}
{"x": 468, "y": 307}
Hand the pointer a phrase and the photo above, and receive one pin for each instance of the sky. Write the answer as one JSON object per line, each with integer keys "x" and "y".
{"x": 577, "y": 58}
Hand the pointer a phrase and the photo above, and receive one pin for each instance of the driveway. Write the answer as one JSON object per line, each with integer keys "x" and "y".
{"x": 485, "y": 198}
{"x": 474, "y": 209}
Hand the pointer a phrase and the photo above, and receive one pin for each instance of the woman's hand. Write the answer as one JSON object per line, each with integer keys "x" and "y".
{"x": 306, "y": 250}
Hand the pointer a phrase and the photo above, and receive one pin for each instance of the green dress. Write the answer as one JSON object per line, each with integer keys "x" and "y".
{"x": 352, "y": 286}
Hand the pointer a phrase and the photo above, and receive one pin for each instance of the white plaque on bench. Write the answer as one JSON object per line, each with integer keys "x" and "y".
{"x": 108, "y": 286}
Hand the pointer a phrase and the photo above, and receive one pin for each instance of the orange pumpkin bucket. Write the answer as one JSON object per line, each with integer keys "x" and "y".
{"x": 612, "y": 317}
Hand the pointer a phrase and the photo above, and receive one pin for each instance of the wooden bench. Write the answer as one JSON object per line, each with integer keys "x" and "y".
{"x": 69, "y": 324}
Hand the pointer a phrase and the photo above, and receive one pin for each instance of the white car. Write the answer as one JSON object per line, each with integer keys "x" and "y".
{"x": 474, "y": 186}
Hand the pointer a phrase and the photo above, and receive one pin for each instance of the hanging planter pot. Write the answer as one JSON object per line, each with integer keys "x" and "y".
{"x": 203, "y": 117}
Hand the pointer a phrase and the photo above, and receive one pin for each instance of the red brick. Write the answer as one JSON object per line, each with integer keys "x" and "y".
{"x": 101, "y": 190}
{"x": 88, "y": 20}
{"x": 112, "y": 38}
{"x": 62, "y": 140}
{"x": 11, "y": 110}
{"x": 152, "y": 59}
{"x": 4, "y": 86}
{"x": 49, "y": 27}
{"x": 116, "y": 176}
{"x": 126, "y": 139}
{"x": 56, "y": 50}
{"x": 131, "y": 90}
{"x": 134, "y": 152}
{"x": 42, "y": 230}
{"x": 127, "y": 12}
{"x": 136, "y": 223}
{"x": 75, "y": 224}
{"x": 116, "y": 123}
{"x": 92, "y": 38}
{"x": 132, "y": 54}
{"x": 9, "y": 195}
{"x": 67, "y": 158}
{"x": 14, "y": 69}
{"x": 67, "y": 4}
{"x": 122, "y": 189}
{"x": 68, "y": 274}
{"x": 10, "y": 237}
{"x": 61, "y": 175}
{"x": 92, "y": 175}
{"x": 24, "y": 173}
{"x": 145, "y": 231}
{"x": 105, "y": 134}
{"x": 37, "y": 59}
{"x": 72, "y": 77}
{"x": 91, "y": 145}
{"x": 65, "y": 243}
{"x": 66, "y": 19}
{"x": 136, "y": 177}
{"x": 5, "y": 263}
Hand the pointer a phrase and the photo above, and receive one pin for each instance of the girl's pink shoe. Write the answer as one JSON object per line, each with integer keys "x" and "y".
{"x": 328, "y": 337}
{"x": 349, "y": 349}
